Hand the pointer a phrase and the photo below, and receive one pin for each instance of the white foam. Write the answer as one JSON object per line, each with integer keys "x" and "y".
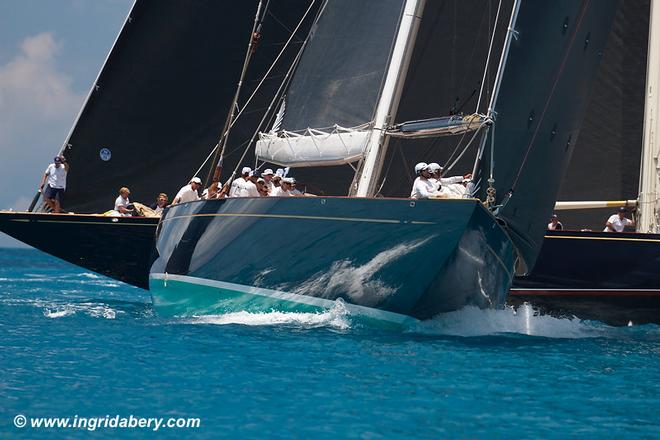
{"x": 58, "y": 313}
{"x": 336, "y": 318}
{"x": 89, "y": 309}
{"x": 472, "y": 321}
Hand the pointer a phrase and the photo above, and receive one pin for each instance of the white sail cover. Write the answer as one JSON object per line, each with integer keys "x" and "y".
{"x": 336, "y": 85}
{"x": 313, "y": 147}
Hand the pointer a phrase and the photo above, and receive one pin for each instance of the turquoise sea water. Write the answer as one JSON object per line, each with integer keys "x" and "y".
{"x": 75, "y": 344}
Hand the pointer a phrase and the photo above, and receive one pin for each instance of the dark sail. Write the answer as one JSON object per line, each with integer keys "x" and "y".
{"x": 545, "y": 87}
{"x": 326, "y": 117}
{"x": 162, "y": 97}
{"x": 340, "y": 73}
{"x": 611, "y": 134}
{"x": 444, "y": 78}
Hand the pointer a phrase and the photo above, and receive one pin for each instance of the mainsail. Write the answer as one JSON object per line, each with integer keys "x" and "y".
{"x": 331, "y": 101}
{"x": 161, "y": 99}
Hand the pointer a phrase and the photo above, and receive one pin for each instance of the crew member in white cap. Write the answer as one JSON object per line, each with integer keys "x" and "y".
{"x": 284, "y": 190}
{"x": 423, "y": 188}
{"x": 268, "y": 179}
{"x": 618, "y": 222}
{"x": 243, "y": 186}
{"x": 454, "y": 186}
{"x": 189, "y": 192}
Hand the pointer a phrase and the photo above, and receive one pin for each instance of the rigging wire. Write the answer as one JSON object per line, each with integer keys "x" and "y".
{"x": 490, "y": 50}
{"x": 255, "y": 36}
{"x": 277, "y": 96}
{"x": 467, "y": 146}
{"x": 263, "y": 79}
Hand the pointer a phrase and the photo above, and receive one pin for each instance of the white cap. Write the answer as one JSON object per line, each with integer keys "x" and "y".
{"x": 420, "y": 166}
{"x": 268, "y": 172}
{"x": 434, "y": 167}
{"x": 290, "y": 180}
{"x": 196, "y": 180}
{"x": 246, "y": 170}
{"x": 261, "y": 180}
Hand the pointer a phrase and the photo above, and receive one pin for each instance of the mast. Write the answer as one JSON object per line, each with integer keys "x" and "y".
{"x": 649, "y": 181}
{"x": 224, "y": 136}
{"x": 389, "y": 98}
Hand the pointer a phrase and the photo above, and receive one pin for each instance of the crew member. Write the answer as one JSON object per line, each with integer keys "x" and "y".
{"x": 122, "y": 204}
{"x": 243, "y": 186}
{"x": 55, "y": 177}
{"x": 618, "y": 222}
{"x": 160, "y": 203}
{"x": 555, "y": 224}
{"x": 423, "y": 188}
{"x": 262, "y": 187}
{"x": 189, "y": 192}
{"x": 268, "y": 179}
{"x": 284, "y": 190}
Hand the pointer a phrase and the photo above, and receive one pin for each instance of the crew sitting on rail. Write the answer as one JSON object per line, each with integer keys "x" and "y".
{"x": 189, "y": 192}
{"x": 453, "y": 187}
{"x": 123, "y": 206}
{"x": 424, "y": 187}
{"x": 243, "y": 186}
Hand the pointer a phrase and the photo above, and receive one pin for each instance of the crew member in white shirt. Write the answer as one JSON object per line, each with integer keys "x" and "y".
{"x": 453, "y": 186}
{"x": 284, "y": 190}
{"x": 55, "y": 177}
{"x": 268, "y": 178}
{"x": 189, "y": 192}
{"x": 423, "y": 188}
{"x": 243, "y": 186}
{"x": 618, "y": 222}
{"x": 122, "y": 202}
{"x": 555, "y": 224}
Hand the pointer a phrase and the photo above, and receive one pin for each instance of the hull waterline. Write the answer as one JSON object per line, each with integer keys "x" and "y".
{"x": 394, "y": 258}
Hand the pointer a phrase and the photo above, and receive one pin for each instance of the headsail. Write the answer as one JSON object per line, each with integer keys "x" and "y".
{"x": 544, "y": 91}
{"x": 331, "y": 100}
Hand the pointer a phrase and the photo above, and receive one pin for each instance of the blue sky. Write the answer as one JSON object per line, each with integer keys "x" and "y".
{"x": 50, "y": 53}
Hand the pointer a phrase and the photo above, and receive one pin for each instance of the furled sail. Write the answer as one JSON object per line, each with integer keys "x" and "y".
{"x": 161, "y": 99}
{"x": 442, "y": 126}
{"x": 331, "y": 100}
{"x": 544, "y": 91}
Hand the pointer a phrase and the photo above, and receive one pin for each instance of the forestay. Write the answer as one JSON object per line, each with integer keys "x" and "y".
{"x": 332, "y": 97}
